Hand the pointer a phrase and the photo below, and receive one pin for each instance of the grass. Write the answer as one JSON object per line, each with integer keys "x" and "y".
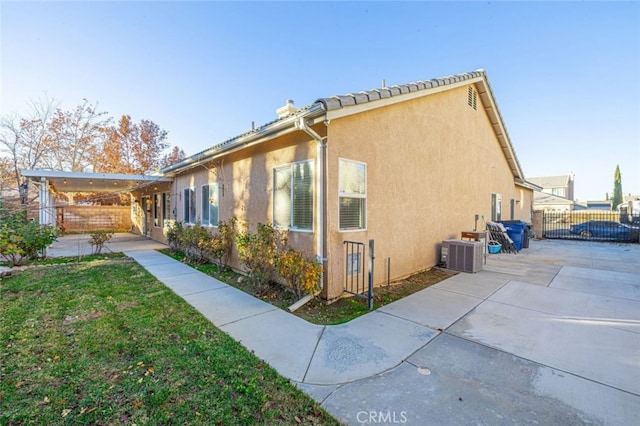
{"x": 348, "y": 308}
{"x": 317, "y": 311}
{"x": 104, "y": 342}
{"x": 67, "y": 260}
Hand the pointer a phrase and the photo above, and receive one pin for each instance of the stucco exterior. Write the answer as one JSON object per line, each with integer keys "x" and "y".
{"x": 433, "y": 161}
{"x": 405, "y": 166}
{"x": 432, "y": 165}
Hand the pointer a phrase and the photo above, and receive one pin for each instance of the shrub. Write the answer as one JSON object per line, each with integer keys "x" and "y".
{"x": 174, "y": 234}
{"x": 258, "y": 253}
{"x": 302, "y": 275}
{"x": 199, "y": 245}
{"x": 194, "y": 243}
{"x": 98, "y": 240}
{"x": 218, "y": 247}
{"x": 21, "y": 240}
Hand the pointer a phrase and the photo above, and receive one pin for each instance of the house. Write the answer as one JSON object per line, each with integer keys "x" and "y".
{"x": 404, "y": 166}
{"x": 606, "y": 205}
{"x": 389, "y": 165}
{"x": 551, "y": 203}
{"x": 556, "y": 194}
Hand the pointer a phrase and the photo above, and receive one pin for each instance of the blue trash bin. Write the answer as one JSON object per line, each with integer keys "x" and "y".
{"x": 515, "y": 231}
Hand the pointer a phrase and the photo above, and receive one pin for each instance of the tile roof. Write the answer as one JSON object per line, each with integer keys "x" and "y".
{"x": 337, "y": 102}
{"x": 551, "y": 181}
{"x": 334, "y": 103}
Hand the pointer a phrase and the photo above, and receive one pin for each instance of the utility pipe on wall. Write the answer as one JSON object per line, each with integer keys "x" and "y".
{"x": 321, "y": 146}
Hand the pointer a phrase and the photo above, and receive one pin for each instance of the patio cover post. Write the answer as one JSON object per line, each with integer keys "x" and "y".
{"x": 47, "y": 213}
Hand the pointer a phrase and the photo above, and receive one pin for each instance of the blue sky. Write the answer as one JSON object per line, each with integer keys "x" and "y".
{"x": 566, "y": 75}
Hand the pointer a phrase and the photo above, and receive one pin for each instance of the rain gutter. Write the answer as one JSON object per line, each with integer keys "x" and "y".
{"x": 260, "y": 135}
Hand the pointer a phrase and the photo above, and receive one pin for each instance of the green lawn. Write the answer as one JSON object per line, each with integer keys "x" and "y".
{"x": 104, "y": 342}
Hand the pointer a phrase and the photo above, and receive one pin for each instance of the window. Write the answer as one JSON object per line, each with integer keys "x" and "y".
{"x": 353, "y": 194}
{"x": 496, "y": 207}
{"x": 210, "y": 204}
{"x": 559, "y": 192}
{"x": 189, "y": 205}
{"x": 166, "y": 208}
{"x": 293, "y": 196}
{"x": 156, "y": 210}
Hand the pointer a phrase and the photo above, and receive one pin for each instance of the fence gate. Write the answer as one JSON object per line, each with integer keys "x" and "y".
{"x": 358, "y": 277}
{"x": 591, "y": 225}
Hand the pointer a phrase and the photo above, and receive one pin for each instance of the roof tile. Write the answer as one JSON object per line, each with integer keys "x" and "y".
{"x": 360, "y": 98}
{"x": 337, "y": 102}
{"x": 373, "y": 95}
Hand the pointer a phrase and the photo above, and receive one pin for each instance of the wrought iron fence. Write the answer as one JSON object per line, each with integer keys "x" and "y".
{"x": 359, "y": 273}
{"x": 592, "y": 225}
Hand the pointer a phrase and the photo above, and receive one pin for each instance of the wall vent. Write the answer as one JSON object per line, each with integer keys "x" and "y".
{"x": 472, "y": 98}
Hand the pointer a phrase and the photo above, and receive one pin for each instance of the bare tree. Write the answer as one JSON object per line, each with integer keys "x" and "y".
{"x": 25, "y": 141}
{"x": 174, "y": 156}
{"x": 76, "y": 137}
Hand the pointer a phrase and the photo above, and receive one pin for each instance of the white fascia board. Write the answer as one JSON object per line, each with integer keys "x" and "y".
{"x": 48, "y": 174}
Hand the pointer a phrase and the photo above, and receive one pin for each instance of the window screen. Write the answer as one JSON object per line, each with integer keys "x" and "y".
{"x": 210, "y": 204}
{"x": 353, "y": 194}
{"x": 189, "y": 205}
{"x": 293, "y": 196}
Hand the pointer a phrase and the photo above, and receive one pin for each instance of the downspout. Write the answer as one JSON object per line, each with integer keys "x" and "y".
{"x": 321, "y": 146}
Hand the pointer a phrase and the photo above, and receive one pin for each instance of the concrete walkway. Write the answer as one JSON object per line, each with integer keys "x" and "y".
{"x": 547, "y": 336}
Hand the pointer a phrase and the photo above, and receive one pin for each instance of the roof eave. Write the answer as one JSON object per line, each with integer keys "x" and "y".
{"x": 260, "y": 135}
{"x": 526, "y": 184}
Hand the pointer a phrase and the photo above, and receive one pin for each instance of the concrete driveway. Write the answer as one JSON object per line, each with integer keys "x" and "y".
{"x": 547, "y": 336}
{"x": 552, "y": 337}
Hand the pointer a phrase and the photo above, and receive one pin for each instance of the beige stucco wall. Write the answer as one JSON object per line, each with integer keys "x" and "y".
{"x": 432, "y": 165}
{"x": 245, "y": 181}
{"x": 142, "y": 218}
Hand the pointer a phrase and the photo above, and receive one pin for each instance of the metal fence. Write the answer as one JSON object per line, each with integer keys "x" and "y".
{"x": 591, "y": 225}
{"x": 359, "y": 272}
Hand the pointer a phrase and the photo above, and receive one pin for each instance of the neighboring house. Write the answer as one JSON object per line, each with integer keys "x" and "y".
{"x": 560, "y": 186}
{"x": 551, "y": 203}
{"x": 599, "y": 205}
{"x": 406, "y": 166}
{"x": 556, "y": 193}
{"x": 632, "y": 202}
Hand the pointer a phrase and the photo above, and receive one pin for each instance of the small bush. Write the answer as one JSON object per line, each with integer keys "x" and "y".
{"x": 218, "y": 246}
{"x": 258, "y": 253}
{"x": 302, "y": 275}
{"x": 194, "y": 242}
{"x": 98, "y": 240}
{"x": 174, "y": 235}
{"x": 201, "y": 246}
{"x": 21, "y": 240}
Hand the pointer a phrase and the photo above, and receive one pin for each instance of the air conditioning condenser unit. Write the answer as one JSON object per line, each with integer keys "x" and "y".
{"x": 464, "y": 256}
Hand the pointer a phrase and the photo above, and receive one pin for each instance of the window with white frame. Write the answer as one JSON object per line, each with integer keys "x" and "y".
{"x": 352, "y": 178}
{"x": 189, "y": 205}
{"x": 156, "y": 210}
{"x": 293, "y": 196}
{"x": 496, "y": 207}
{"x": 210, "y": 204}
{"x": 166, "y": 208}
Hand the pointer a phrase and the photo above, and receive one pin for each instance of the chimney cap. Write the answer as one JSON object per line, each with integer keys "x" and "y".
{"x": 288, "y": 109}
